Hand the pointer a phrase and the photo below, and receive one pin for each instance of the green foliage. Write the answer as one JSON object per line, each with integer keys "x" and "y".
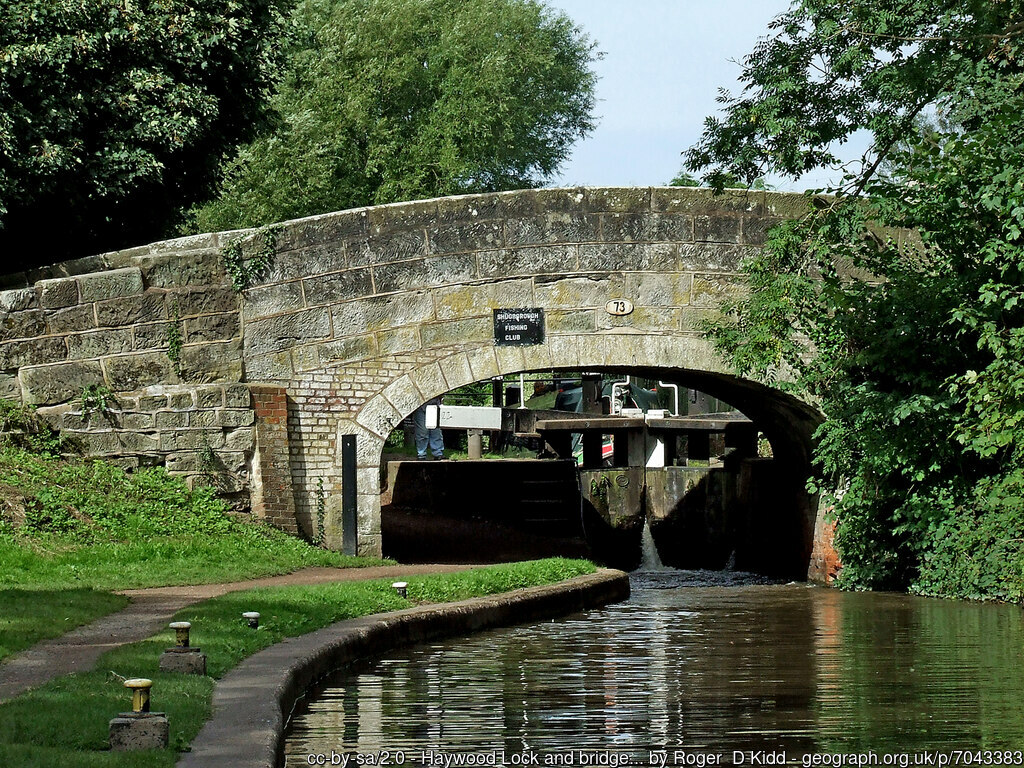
{"x": 727, "y": 180}
{"x": 830, "y": 68}
{"x": 21, "y": 427}
{"x": 250, "y": 258}
{"x": 684, "y": 179}
{"x": 90, "y": 523}
{"x": 906, "y": 284}
{"x": 97, "y": 501}
{"x": 207, "y": 458}
{"x": 393, "y": 100}
{"x": 477, "y": 393}
{"x": 116, "y": 115}
{"x": 96, "y": 399}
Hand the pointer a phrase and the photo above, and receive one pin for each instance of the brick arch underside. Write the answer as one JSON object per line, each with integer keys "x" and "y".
{"x": 788, "y": 423}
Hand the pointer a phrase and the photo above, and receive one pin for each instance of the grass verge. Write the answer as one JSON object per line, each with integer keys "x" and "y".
{"x": 69, "y": 522}
{"x": 65, "y": 721}
{"x": 247, "y": 552}
{"x": 70, "y": 526}
{"x": 29, "y": 616}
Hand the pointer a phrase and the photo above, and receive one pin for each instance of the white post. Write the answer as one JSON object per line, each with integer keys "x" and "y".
{"x": 476, "y": 443}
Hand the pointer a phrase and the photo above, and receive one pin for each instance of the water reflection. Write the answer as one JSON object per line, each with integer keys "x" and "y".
{"x": 704, "y": 669}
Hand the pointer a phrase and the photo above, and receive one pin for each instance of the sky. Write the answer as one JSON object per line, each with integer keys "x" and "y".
{"x": 664, "y": 62}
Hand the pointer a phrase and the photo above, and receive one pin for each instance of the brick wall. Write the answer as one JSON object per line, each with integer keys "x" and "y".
{"x": 272, "y": 495}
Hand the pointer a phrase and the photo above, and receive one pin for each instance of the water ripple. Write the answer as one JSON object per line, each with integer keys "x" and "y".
{"x": 732, "y": 664}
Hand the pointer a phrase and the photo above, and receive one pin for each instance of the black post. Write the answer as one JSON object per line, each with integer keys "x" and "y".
{"x": 620, "y": 448}
{"x": 593, "y": 449}
{"x": 349, "y": 544}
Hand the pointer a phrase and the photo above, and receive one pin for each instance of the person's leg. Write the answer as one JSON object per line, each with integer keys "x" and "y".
{"x": 436, "y": 444}
{"x": 419, "y": 421}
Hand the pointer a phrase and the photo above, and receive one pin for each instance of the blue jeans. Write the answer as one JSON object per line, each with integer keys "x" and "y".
{"x": 427, "y": 438}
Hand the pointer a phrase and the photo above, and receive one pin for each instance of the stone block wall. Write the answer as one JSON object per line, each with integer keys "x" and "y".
{"x": 374, "y": 283}
{"x": 137, "y": 355}
{"x": 363, "y": 315}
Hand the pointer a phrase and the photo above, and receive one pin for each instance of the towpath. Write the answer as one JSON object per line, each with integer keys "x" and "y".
{"x": 149, "y": 611}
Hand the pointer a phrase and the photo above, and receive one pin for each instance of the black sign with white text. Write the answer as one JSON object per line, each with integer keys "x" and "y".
{"x": 518, "y": 327}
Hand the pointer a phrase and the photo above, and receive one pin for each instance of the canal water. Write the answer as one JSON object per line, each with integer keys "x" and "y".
{"x": 695, "y": 669}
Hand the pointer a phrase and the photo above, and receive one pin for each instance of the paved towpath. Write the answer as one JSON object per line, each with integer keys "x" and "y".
{"x": 149, "y": 611}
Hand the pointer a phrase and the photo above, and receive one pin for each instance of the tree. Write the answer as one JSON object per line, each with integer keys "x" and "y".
{"x": 905, "y": 282}
{"x": 390, "y": 100}
{"x": 115, "y": 115}
{"x": 684, "y": 179}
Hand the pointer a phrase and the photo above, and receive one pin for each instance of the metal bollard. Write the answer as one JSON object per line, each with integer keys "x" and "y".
{"x": 183, "y": 657}
{"x": 140, "y": 728}
{"x": 140, "y": 693}
{"x": 181, "y": 629}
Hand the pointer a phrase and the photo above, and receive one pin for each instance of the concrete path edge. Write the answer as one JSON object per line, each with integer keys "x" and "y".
{"x": 251, "y": 703}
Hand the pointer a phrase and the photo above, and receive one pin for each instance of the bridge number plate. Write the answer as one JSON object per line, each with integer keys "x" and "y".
{"x": 619, "y": 307}
{"x": 518, "y": 327}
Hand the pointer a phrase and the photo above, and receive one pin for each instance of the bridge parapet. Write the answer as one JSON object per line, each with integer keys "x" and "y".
{"x": 363, "y": 315}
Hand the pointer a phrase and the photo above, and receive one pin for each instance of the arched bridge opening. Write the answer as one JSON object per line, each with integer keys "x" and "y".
{"x": 585, "y": 483}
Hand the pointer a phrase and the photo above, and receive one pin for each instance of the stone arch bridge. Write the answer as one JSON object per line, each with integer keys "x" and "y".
{"x": 364, "y": 314}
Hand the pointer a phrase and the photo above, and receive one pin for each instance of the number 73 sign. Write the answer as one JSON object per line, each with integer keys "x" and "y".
{"x": 619, "y": 307}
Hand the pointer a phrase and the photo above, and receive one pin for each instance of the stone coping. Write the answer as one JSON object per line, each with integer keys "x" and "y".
{"x": 252, "y": 703}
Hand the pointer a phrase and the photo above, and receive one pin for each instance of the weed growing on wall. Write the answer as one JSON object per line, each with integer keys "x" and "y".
{"x": 599, "y": 488}
{"x": 321, "y": 512}
{"x": 174, "y": 341}
{"x": 96, "y": 399}
{"x": 250, "y": 258}
{"x": 21, "y": 427}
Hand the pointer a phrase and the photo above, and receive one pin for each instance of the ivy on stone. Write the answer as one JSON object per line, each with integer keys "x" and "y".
{"x": 175, "y": 341}
{"x": 320, "y": 537}
{"x": 96, "y": 399}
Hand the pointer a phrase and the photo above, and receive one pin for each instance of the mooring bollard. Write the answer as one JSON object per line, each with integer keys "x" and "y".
{"x": 140, "y": 693}
{"x": 140, "y": 728}
{"x": 402, "y": 588}
{"x": 253, "y": 618}
{"x": 182, "y": 657}
{"x": 181, "y": 629}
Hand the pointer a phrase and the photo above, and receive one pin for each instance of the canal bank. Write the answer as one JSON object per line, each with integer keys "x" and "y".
{"x": 252, "y": 703}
